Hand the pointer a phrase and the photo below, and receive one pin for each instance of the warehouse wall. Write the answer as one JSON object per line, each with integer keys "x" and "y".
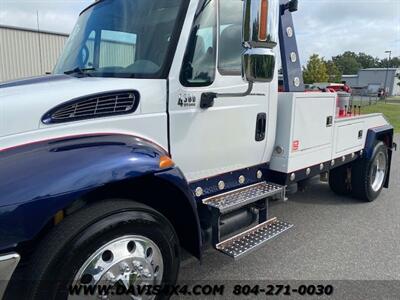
{"x": 378, "y": 76}
{"x": 25, "y": 53}
{"x": 396, "y": 89}
{"x": 113, "y": 53}
{"x": 350, "y": 81}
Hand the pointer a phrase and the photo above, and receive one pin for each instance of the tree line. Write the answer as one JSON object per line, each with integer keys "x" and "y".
{"x": 349, "y": 63}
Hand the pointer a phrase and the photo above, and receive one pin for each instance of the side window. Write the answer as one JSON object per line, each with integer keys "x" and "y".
{"x": 117, "y": 49}
{"x": 230, "y": 37}
{"x": 199, "y": 63}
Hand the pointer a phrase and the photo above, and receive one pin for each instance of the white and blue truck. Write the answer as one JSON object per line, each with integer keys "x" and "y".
{"x": 161, "y": 128}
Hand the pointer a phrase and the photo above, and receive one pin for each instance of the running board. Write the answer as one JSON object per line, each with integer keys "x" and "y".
{"x": 232, "y": 200}
{"x": 252, "y": 239}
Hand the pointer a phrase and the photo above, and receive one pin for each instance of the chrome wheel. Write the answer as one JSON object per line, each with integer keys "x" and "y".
{"x": 378, "y": 172}
{"x": 129, "y": 261}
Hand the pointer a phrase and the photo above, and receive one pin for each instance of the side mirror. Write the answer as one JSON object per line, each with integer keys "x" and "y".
{"x": 260, "y": 36}
{"x": 258, "y": 65}
{"x": 260, "y": 23}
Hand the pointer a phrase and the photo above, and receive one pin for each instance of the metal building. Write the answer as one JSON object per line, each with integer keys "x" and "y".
{"x": 374, "y": 79}
{"x": 26, "y": 53}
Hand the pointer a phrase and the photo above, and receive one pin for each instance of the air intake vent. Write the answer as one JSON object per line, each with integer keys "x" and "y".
{"x": 94, "y": 106}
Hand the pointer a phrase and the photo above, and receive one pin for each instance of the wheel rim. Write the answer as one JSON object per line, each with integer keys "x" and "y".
{"x": 126, "y": 261}
{"x": 378, "y": 172}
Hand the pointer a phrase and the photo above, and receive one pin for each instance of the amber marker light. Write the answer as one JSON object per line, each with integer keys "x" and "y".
{"x": 166, "y": 162}
{"x": 262, "y": 33}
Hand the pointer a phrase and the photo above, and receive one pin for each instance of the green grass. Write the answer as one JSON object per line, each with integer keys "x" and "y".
{"x": 391, "y": 111}
{"x": 394, "y": 98}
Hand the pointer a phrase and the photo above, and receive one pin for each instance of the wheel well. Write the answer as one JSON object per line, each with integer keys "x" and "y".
{"x": 149, "y": 190}
{"x": 385, "y": 136}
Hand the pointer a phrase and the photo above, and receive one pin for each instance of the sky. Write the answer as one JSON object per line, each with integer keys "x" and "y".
{"x": 325, "y": 27}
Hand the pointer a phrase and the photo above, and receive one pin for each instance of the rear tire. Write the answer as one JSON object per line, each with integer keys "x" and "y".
{"x": 369, "y": 175}
{"x": 70, "y": 249}
{"x": 340, "y": 180}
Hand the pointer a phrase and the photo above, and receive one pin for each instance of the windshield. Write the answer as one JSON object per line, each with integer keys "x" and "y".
{"x": 124, "y": 38}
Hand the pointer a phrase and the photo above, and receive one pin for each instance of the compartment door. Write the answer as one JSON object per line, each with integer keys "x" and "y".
{"x": 313, "y": 124}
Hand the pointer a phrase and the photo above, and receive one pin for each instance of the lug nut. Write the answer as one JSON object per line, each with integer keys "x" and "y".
{"x": 136, "y": 264}
{"x": 109, "y": 276}
{"x": 124, "y": 267}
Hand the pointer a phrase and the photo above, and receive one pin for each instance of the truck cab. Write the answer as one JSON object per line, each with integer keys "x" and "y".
{"x": 172, "y": 52}
{"x": 162, "y": 128}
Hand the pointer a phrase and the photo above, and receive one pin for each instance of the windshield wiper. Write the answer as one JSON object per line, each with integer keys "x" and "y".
{"x": 80, "y": 71}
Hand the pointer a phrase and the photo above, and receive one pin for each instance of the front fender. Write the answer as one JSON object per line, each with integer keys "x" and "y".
{"x": 38, "y": 180}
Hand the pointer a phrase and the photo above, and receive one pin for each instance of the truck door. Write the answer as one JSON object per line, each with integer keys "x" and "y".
{"x": 230, "y": 135}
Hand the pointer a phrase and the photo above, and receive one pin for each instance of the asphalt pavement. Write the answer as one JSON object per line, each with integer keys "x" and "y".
{"x": 334, "y": 238}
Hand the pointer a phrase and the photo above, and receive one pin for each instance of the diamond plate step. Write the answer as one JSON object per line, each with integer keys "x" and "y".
{"x": 238, "y": 198}
{"x": 252, "y": 239}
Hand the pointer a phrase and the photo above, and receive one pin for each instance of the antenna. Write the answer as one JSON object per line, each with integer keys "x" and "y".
{"x": 39, "y": 43}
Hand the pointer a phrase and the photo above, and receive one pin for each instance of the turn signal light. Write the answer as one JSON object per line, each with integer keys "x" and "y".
{"x": 166, "y": 162}
{"x": 262, "y": 33}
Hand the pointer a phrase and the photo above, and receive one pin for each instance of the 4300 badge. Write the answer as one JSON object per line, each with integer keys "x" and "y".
{"x": 187, "y": 101}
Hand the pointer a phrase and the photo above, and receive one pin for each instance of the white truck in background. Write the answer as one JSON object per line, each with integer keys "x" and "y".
{"x": 160, "y": 128}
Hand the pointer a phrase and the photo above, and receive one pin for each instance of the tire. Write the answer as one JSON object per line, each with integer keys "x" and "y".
{"x": 68, "y": 247}
{"x": 340, "y": 180}
{"x": 365, "y": 185}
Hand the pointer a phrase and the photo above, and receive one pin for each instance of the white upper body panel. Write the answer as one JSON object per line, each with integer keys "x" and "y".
{"x": 22, "y": 107}
{"x": 203, "y": 142}
{"x": 305, "y": 138}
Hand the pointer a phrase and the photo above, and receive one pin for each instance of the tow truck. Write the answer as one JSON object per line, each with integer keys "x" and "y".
{"x": 162, "y": 128}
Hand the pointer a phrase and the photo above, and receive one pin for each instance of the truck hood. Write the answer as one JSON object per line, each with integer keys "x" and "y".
{"x": 24, "y": 102}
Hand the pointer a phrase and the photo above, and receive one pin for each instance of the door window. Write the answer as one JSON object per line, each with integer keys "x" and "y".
{"x": 199, "y": 63}
{"x": 230, "y": 37}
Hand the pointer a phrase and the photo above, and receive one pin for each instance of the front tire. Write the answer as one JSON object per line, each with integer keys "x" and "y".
{"x": 369, "y": 175}
{"x": 112, "y": 242}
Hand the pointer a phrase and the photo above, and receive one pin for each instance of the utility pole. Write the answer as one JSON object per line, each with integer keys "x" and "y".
{"x": 387, "y": 72}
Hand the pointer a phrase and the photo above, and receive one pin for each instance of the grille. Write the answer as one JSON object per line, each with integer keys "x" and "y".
{"x": 94, "y": 107}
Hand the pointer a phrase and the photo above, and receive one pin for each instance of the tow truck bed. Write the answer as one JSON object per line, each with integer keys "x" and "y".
{"x": 310, "y": 134}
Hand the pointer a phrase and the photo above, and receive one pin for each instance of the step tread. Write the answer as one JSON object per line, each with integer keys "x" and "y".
{"x": 252, "y": 239}
{"x": 243, "y": 196}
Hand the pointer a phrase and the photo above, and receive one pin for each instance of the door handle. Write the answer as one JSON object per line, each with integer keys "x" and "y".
{"x": 261, "y": 126}
{"x": 329, "y": 121}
